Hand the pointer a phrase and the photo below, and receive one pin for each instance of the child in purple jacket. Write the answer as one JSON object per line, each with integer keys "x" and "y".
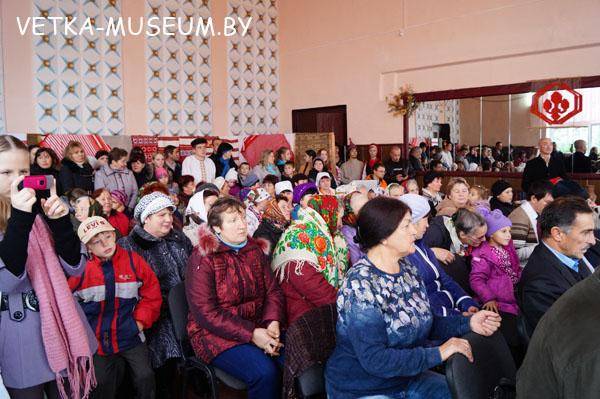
{"x": 495, "y": 272}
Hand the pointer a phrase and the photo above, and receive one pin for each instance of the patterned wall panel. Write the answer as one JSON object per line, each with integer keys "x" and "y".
{"x": 253, "y": 69}
{"x": 431, "y": 112}
{"x": 2, "y": 112}
{"x": 78, "y": 78}
{"x": 178, "y": 88}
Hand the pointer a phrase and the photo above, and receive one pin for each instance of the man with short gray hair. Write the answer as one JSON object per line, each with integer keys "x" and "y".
{"x": 556, "y": 264}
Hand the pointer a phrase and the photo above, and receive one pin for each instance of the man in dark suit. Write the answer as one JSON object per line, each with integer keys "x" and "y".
{"x": 546, "y": 166}
{"x": 580, "y": 163}
{"x": 567, "y": 228}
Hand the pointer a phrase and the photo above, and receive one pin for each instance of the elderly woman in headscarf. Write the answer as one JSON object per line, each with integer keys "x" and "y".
{"x": 275, "y": 219}
{"x": 196, "y": 213}
{"x": 352, "y": 204}
{"x": 311, "y": 257}
{"x": 166, "y": 250}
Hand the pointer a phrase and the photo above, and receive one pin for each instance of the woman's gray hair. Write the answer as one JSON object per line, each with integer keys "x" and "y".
{"x": 467, "y": 221}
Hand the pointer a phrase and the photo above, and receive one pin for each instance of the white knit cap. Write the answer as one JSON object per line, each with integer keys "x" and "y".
{"x": 151, "y": 204}
{"x": 321, "y": 175}
{"x": 419, "y": 206}
{"x": 219, "y": 182}
{"x": 282, "y": 186}
{"x": 231, "y": 175}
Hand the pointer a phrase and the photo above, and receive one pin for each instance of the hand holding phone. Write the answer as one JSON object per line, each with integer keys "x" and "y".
{"x": 54, "y": 207}
{"x": 22, "y": 199}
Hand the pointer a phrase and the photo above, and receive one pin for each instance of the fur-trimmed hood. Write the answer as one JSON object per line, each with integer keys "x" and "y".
{"x": 209, "y": 243}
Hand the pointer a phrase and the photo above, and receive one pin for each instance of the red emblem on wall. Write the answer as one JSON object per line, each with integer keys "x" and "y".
{"x": 559, "y": 107}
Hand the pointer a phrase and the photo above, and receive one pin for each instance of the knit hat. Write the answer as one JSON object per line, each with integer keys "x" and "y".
{"x": 160, "y": 173}
{"x": 92, "y": 226}
{"x": 321, "y": 175}
{"x": 499, "y": 186}
{"x": 219, "y": 182}
{"x": 151, "y": 204}
{"x": 430, "y": 176}
{"x": 495, "y": 220}
{"x": 419, "y": 206}
{"x": 282, "y": 186}
{"x": 569, "y": 187}
{"x": 231, "y": 175}
{"x": 250, "y": 180}
{"x": 301, "y": 189}
{"x": 120, "y": 196}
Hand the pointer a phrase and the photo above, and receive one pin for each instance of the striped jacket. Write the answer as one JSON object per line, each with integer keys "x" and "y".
{"x": 114, "y": 296}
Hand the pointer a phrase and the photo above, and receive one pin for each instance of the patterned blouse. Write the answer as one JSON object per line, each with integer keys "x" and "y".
{"x": 384, "y": 320}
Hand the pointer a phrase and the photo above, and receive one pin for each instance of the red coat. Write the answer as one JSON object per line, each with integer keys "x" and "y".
{"x": 306, "y": 291}
{"x": 230, "y": 293}
{"x": 121, "y": 222}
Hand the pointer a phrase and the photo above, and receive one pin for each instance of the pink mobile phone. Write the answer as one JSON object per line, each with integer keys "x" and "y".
{"x": 39, "y": 183}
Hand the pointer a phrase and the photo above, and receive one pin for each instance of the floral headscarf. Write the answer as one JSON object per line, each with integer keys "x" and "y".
{"x": 309, "y": 240}
{"x": 273, "y": 215}
{"x": 326, "y": 206}
{"x": 349, "y": 217}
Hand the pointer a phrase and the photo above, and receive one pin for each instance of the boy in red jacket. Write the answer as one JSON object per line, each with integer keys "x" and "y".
{"x": 120, "y": 296}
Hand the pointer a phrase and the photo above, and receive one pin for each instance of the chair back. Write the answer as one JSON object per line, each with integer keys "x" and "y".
{"x": 492, "y": 370}
{"x": 178, "y": 307}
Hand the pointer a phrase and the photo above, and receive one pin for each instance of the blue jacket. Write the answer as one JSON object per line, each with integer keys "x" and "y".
{"x": 446, "y": 297}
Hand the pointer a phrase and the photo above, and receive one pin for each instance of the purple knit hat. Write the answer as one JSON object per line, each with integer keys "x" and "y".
{"x": 120, "y": 196}
{"x": 301, "y": 189}
{"x": 495, "y": 220}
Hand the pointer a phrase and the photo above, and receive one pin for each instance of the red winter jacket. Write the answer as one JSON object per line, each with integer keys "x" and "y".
{"x": 305, "y": 288}
{"x": 230, "y": 293}
{"x": 121, "y": 222}
{"x": 114, "y": 295}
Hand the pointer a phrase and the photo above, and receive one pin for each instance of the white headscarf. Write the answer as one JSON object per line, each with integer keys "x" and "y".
{"x": 196, "y": 206}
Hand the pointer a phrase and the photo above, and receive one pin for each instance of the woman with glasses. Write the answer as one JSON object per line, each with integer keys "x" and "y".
{"x": 452, "y": 239}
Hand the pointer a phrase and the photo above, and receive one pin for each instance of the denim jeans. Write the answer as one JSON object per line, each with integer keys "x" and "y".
{"x": 426, "y": 385}
{"x": 258, "y": 370}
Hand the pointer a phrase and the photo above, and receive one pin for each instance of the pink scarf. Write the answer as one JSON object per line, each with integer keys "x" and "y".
{"x": 63, "y": 332}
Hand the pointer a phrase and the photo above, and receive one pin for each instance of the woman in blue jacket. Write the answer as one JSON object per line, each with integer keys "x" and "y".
{"x": 446, "y": 297}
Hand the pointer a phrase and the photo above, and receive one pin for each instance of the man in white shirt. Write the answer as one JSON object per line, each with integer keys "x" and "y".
{"x": 446, "y": 156}
{"x": 199, "y": 165}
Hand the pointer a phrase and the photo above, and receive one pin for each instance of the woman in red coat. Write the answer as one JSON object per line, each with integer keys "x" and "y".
{"x": 236, "y": 305}
{"x": 311, "y": 257}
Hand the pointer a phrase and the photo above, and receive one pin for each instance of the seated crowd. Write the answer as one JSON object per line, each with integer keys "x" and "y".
{"x": 261, "y": 247}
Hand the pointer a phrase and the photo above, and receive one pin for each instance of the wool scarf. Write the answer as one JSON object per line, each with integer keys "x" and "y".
{"x": 63, "y": 333}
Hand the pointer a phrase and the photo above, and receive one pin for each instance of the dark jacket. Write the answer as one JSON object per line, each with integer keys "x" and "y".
{"x": 230, "y": 293}
{"x": 269, "y": 232}
{"x": 543, "y": 281}
{"x": 219, "y": 167}
{"x": 504, "y": 207}
{"x": 438, "y": 236}
{"x": 73, "y": 176}
{"x": 168, "y": 258}
{"x": 536, "y": 169}
{"x": 392, "y": 169}
{"x": 562, "y": 358}
{"x": 579, "y": 163}
{"x": 446, "y": 297}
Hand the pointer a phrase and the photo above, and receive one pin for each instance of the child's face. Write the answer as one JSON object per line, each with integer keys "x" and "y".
{"x": 474, "y": 195}
{"x": 288, "y": 170}
{"x": 164, "y": 180}
{"x": 103, "y": 245}
{"x": 397, "y": 192}
{"x": 413, "y": 188}
{"x": 82, "y": 208}
{"x": 244, "y": 169}
{"x": 502, "y": 236}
